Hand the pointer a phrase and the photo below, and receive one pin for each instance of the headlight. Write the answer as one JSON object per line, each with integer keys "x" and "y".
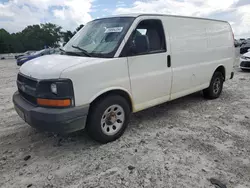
{"x": 244, "y": 57}
{"x": 53, "y": 88}
{"x": 55, "y": 91}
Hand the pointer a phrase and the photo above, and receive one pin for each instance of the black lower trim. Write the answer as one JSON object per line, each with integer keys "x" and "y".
{"x": 245, "y": 64}
{"x": 50, "y": 119}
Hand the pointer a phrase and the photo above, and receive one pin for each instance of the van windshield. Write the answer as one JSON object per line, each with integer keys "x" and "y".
{"x": 99, "y": 38}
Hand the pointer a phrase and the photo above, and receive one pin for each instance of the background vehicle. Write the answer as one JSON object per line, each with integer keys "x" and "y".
{"x": 24, "y": 54}
{"x": 21, "y": 60}
{"x": 118, "y": 65}
{"x": 237, "y": 43}
{"x": 242, "y": 40}
{"x": 245, "y": 61}
{"x": 245, "y": 46}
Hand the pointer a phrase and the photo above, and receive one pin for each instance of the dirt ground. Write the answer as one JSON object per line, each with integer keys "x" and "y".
{"x": 182, "y": 143}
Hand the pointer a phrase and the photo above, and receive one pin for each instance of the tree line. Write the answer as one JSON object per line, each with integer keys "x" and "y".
{"x": 34, "y": 37}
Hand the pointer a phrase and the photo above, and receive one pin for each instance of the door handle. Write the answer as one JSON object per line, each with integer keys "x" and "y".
{"x": 169, "y": 61}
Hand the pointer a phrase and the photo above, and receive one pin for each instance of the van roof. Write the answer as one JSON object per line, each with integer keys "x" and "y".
{"x": 145, "y": 14}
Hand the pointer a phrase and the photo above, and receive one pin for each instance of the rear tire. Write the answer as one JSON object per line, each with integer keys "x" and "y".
{"x": 108, "y": 118}
{"x": 215, "y": 88}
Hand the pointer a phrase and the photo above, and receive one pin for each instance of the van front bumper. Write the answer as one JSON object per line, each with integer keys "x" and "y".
{"x": 55, "y": 120}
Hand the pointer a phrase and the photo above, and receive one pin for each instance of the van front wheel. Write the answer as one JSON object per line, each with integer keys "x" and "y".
{"x": 108, "y": 118}
{"x": 215, "y": 88}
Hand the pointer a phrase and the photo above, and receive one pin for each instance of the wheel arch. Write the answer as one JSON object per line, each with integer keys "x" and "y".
{"x": 118, "y": 91}
{"x": 222, "y": 70}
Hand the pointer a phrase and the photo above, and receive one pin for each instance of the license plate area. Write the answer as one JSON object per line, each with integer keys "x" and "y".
{"x": 20, "y": 113}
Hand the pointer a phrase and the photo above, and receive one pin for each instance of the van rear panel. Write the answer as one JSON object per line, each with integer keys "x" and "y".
{"x": 198, "y": 47}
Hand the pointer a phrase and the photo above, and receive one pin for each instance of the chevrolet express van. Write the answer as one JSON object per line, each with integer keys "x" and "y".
{"x": 120, "y": 65}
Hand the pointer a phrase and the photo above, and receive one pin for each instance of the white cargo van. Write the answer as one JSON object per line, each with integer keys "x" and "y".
{"x": 118, "y": 65}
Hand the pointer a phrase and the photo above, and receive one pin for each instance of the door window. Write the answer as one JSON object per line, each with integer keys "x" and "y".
{"x": 147, "y": 38}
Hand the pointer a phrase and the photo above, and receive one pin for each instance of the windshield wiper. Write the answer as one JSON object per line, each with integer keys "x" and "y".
{"x": 82, "y": 50}
{"x": 66, "y": 52}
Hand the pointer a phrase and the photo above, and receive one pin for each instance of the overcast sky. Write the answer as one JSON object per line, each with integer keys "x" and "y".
{"x": 15, "y": 15}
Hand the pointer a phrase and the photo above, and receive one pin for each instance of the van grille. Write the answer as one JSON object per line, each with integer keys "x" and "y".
{"x": 27, "y": 88}
{"x": 27, "y": 97}
{"x": 27, "y": 81}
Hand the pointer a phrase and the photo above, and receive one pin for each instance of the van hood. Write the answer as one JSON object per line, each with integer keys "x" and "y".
{"x": 51, "y": 66}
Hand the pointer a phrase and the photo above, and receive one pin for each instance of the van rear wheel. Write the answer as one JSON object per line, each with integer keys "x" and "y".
{"x": 108, "y": 118}
{"x": 215, "y": 88}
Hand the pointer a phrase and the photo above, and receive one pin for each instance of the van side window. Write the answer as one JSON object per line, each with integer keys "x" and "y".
{"x": 147, "y": 38}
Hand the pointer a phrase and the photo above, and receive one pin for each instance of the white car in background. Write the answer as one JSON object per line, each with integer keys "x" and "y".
{"x": 245, "y": 61}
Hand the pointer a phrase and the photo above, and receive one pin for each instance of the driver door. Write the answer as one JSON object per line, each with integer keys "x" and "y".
{"x": 149, "y": 64}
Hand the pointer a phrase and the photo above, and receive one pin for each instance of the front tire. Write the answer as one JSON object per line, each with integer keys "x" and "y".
{"x": 108, "y": 118}
{"x": 215, "y": 88}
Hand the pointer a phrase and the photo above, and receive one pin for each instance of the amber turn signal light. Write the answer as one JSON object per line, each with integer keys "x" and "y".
{"x": 54, "y": 102}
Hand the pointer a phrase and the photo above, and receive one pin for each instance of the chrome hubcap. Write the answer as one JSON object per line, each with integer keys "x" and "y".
{"x": 112, "y": 119}
{"x": 217, "y": 85}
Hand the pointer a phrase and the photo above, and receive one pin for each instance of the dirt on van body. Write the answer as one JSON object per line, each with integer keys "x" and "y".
{"x": 182, "y": 143}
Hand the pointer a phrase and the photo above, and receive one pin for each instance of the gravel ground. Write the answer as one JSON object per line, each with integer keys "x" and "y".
{"x": 182, "y": 143}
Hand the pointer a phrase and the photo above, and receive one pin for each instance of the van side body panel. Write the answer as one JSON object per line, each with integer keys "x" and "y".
{"x": 198, "y": 48}
{"x": 221, "y": 46}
